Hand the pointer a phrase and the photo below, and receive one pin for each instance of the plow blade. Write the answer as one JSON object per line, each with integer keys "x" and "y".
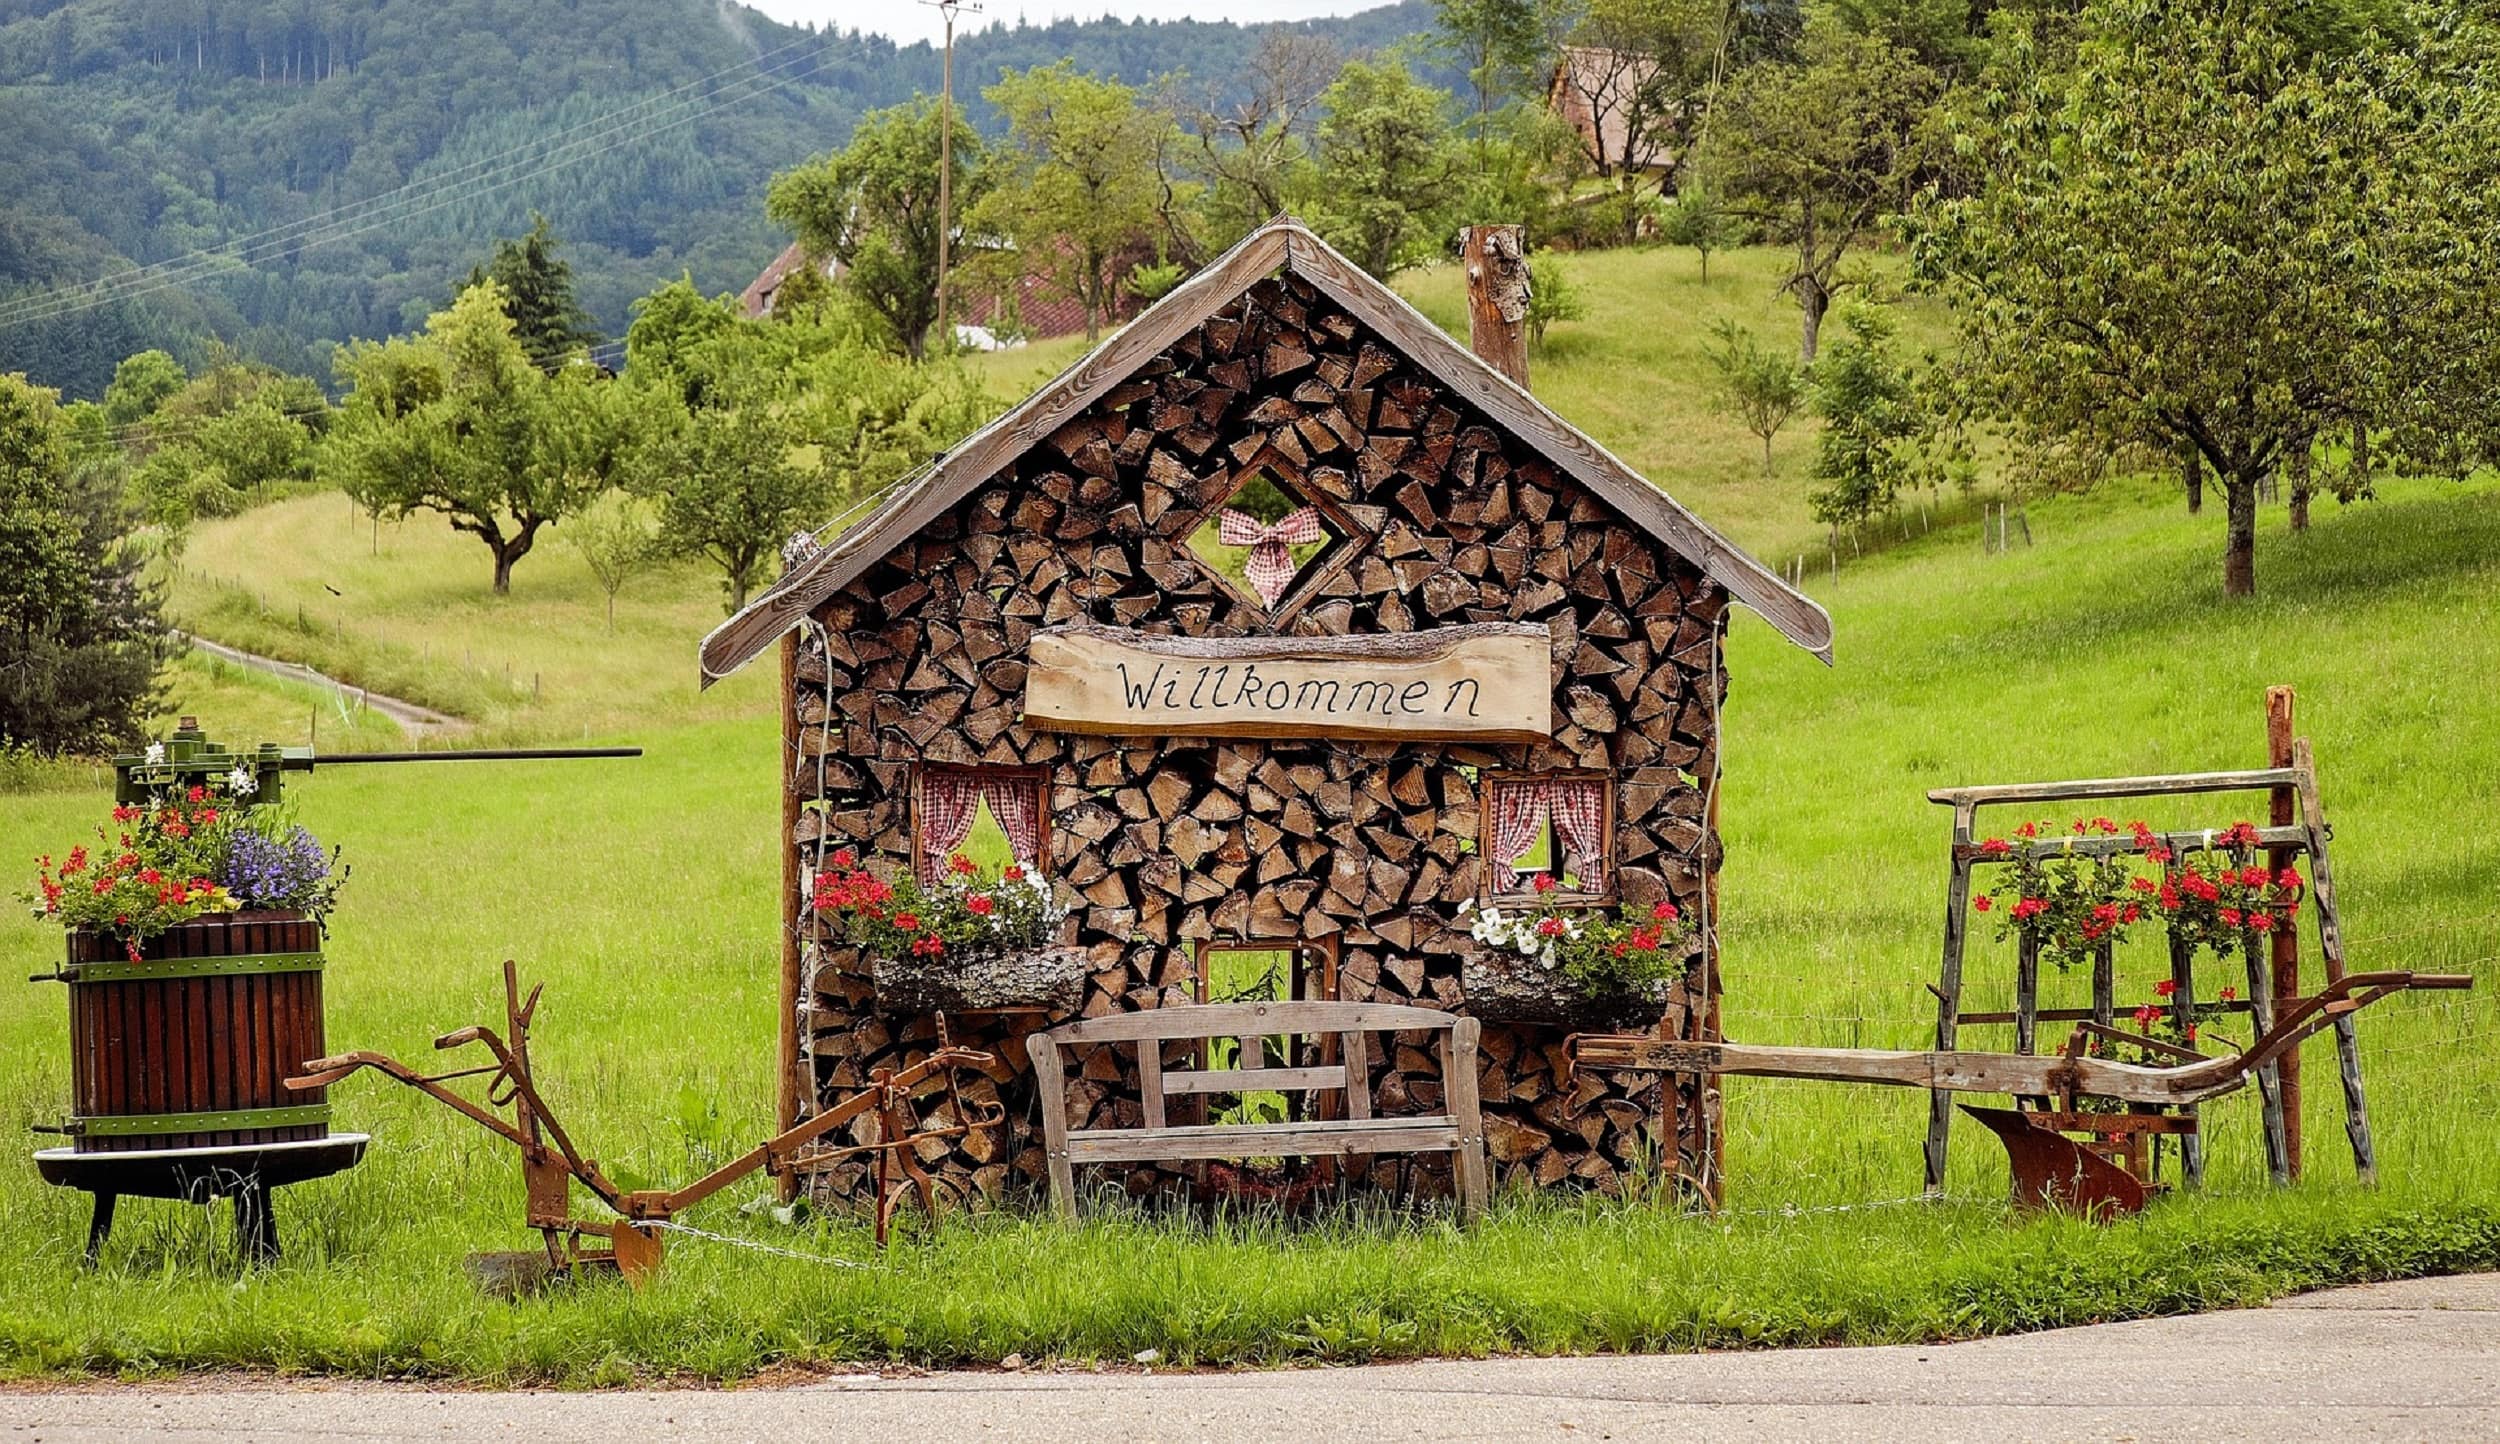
{"x": 2052, "y": 1171}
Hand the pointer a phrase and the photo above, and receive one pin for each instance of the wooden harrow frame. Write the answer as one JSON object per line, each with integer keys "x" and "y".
{"x": 2106, "y": 1165}
{"x": 551, "y": 1164}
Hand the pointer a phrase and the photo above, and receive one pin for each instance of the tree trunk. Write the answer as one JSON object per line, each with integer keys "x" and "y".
{"x": 1766, "y": 454}
{"x": 1814, "y": 299}
{"x": 1705, "y": 268}
{"x": 2195, "y": 470}
{"x": 2297, "y": 469}
{"x": 2239, "y": 555}
{"x": 512, "y": 550}
{"x": 2360, "y": 482}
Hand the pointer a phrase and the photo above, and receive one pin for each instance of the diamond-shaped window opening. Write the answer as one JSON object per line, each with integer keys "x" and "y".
{"x": 1273, "y": 542}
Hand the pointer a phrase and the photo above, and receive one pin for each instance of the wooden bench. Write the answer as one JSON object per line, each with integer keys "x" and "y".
{"x": 1459, "y": 1131}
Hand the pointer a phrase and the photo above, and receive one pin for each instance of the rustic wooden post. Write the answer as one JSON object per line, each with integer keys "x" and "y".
{"x": 793, "y": 999}
{"x": 2269, "y": 1080}
{"x": 2183, "y": 1013}
{"x": 2331, "y": 963}
{"x": 1496, "y": 259}
{"x": 2104, "y": 985}
{"x": 2282, "y": 810}
{"x": 2027, "y": 995}
{"x": 1949, "y": 990}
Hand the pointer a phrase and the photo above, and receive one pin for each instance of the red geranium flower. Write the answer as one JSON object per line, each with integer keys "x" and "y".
{"x": 2165, "y": 988}
{"x": 1544, "y": 882}
{"x": 1014, "y": 873}
{"x": 1664, "y": 912}
{"x": 981, "y": 902}
{"x": 961, "y": 865}
{"x": 1996, "y": 847}
{"x": 1550, "y": 928}
{"x": 1982, "y": 903}
{"x": 907, "y": 922}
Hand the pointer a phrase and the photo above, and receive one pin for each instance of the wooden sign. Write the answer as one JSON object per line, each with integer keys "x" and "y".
{"x": 1489, "y": 682}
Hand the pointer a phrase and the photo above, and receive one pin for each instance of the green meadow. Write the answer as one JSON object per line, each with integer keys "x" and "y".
{"x": 642, "y": 894}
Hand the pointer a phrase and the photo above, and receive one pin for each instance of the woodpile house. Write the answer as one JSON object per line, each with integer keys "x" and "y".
{"x": 1276, "y": 633}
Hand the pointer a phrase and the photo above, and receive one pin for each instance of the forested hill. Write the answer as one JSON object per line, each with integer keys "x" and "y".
{"x": 136, "y": 132}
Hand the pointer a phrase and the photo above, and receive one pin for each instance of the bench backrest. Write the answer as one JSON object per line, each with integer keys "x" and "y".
{"x": 1254, "y": 1023}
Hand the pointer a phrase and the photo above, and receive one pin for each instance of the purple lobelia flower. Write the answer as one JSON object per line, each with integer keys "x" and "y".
{"x": 291, "y": 872}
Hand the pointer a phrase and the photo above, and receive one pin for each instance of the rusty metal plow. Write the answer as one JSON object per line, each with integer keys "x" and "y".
{"x": 551, "y": 1164}
{"x": 2050, "y": 1169}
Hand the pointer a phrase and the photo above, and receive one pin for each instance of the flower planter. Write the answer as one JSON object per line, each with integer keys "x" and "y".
{"x": 1049, "y": 979}
{"x": 1503, "y": 987}
{"x": 190, "y": 1047}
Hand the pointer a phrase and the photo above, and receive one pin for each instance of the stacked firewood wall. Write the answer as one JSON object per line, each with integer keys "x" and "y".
{"x": 1158, "y": 842}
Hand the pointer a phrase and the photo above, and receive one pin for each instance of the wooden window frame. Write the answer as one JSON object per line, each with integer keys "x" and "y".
{"x": 1352, "y": 537}
{"x": 1488, "y": 896}
{"x": 1017, "y": 771}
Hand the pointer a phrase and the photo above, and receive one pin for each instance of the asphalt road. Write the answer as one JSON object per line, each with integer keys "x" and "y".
{"x": 2416, "y": 1360}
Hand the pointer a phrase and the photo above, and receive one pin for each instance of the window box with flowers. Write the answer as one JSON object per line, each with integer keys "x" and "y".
{"x": 1578, "y": 967}
{"x": 964, "y": 941}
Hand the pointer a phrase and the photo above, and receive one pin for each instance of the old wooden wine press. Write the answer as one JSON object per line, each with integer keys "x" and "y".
{"x": 179, "y": 1056}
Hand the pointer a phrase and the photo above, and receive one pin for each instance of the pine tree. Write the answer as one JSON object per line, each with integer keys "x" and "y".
{"x": 538, "y": 294}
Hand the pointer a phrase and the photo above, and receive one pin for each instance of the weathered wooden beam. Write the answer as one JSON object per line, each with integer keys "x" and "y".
{"x": 2257, "y": 779}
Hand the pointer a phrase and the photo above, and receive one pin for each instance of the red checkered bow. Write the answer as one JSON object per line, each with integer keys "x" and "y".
{"x": 1270, "y": 566}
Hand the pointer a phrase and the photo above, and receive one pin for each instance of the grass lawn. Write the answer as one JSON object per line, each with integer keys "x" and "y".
{"x": 641, "y": 892}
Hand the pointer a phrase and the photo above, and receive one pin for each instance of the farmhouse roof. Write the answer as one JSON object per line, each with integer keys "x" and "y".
{"x": 757, "y": 298}
{"x": 1586, "y": 76}
{"x": 1282, "y": 244}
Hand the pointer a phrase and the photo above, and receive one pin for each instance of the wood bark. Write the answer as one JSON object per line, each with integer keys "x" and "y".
{"x": 1496, "y": 261}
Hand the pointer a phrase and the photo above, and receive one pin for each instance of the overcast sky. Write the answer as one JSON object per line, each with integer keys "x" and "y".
{"x": 908, "y": 20}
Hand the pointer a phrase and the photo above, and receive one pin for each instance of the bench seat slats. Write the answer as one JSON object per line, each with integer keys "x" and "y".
{"x": 1434, "y": 1134}
{"x": 1238, "y": 1080}
{"x": 1459, "y": 1132}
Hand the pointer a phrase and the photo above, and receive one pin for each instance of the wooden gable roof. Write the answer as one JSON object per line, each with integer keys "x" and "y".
{"x": 1282, "y": 244}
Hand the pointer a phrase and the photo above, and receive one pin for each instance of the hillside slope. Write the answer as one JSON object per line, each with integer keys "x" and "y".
{"x": 138, "y": 131}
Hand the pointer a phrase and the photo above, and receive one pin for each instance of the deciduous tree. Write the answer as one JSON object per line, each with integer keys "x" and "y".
{"x": 1817, "y": 151}
{"x": 2191, "y": 236}
{"x": 80, "y": 634}
{"x": 1759, "y": 388}
{"x": 873, "y": 206}
{"x": 1386, "y": 162}
{"x": 459, "y": 421}
{"x": 1078, "y": 187}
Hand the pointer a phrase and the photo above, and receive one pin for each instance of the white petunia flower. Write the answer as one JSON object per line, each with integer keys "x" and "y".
{"x": 155, "y": 753}
{"x": 241, "y": 782}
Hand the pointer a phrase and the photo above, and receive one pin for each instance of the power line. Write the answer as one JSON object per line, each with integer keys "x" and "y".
{"x": 404, "y": 203}
{"x": 411, "y": 192}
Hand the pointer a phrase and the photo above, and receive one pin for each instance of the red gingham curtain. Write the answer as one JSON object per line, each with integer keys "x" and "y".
{"x": 1017, "y": 804}
{"x": 1519, "y": 809}
{"x": 1579, "y": 812}
{"x": 948, "y": 803}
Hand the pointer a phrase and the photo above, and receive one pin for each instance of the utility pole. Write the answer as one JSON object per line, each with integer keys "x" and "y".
{"x": 946, "y": 161}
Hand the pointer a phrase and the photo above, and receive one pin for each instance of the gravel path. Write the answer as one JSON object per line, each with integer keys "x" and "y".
{"x": 2415, "y": 1360}
{"x": 414, "y": 719}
